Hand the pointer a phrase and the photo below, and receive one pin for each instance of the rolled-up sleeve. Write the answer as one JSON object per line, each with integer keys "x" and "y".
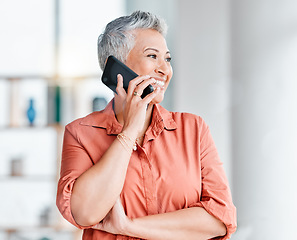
{"x": 215, "y": 193}
{"x": 75, "y": 161}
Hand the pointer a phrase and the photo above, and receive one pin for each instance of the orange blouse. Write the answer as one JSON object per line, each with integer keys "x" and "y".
{"x": 177, "y": 167}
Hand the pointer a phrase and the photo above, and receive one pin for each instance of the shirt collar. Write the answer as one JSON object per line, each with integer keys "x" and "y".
{"x": 161, "y": 119}
{"x": 103, "y": 119}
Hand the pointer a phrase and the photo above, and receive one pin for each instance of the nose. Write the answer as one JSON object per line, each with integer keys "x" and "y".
{"x": 163, "y": 67}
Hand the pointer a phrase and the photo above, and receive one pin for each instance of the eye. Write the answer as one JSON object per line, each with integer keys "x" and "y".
{"x": 168, "y": 59}
{"x": 154, "y": 56}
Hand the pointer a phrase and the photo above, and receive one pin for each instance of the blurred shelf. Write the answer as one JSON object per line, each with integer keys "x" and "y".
{"x": 34, "y": 228}
{"x": 55, "y": 127}
{"x": 40, "y": 232}
{"x": 27, "y": 178}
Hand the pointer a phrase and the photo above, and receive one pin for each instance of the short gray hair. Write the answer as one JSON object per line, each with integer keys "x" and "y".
{"x": 117, "y": 39}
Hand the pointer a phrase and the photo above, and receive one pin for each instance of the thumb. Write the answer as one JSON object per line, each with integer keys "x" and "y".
{"x": 120, "y": 89}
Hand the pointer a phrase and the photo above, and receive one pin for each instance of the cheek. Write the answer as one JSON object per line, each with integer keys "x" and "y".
{"x": 146, "y": 69}
{"x": 142, "y": 67}
{"x": 143, "y": 71}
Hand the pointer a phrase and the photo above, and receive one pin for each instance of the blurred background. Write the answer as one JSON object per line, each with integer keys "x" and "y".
{"x": 235, "y": 64}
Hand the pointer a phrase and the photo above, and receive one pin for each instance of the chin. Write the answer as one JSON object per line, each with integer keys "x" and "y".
{"x": 158, "y": 99}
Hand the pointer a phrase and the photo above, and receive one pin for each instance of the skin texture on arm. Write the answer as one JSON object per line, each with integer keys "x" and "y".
{"x": 88, "y": 206}
{"x": 190, "y": 223}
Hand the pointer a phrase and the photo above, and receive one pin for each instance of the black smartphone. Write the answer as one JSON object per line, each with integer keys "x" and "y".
{"x": 112, "y": 68}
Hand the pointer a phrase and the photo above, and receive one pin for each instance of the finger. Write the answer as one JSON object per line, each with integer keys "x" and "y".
{"x": 148, "y": 98}
{"x": 117, "y": 204}
{"x": 119, "y": 201}
{"x": 120, "y": 89}
{"x": 138, "y": 91}
{"x": 135, "y": 82}
{"x": 140, "y": 87}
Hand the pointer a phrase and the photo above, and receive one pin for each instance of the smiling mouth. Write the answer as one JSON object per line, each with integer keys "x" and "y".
{"x": 160, "y": 83}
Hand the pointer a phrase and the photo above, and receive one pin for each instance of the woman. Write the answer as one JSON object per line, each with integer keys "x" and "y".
{"x": 136, "y": 170}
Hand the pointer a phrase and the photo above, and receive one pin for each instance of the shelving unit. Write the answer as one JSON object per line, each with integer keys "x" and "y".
{"x": 28, "y": 177}
{"x": 30, "y": 156}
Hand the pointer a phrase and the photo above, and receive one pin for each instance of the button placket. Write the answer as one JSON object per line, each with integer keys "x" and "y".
{"x": 149, "y": 183}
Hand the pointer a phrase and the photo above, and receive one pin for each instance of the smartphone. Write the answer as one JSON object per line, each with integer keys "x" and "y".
{"x": 112, "y": 68}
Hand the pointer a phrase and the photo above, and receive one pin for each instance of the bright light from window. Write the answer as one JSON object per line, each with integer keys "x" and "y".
{"x": 81, "y": 24}
{"x": 27, "y": 37}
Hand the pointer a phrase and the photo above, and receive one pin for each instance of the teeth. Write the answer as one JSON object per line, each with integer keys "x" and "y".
{"x": 160, "y": 83}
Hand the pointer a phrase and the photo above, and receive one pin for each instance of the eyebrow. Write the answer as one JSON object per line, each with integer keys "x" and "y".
{"x": 154, "y": 49}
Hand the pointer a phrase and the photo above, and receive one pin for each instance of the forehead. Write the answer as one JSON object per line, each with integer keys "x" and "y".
{"x": 145, "y": 38}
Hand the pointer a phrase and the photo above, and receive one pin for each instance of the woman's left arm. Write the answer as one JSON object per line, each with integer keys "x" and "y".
{"x": 190, "y": 223}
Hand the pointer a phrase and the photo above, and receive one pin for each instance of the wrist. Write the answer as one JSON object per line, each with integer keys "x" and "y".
{"x": 128, "y": 143}
{"x": 127, "y": 228}
{"x": 131, "y": 134}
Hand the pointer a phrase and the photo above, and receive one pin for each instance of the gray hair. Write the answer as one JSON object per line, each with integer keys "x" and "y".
{"x": 118, "y": 39}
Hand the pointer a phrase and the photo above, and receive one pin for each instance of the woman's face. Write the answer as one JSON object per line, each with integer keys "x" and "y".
{"x": 150, "y": 56}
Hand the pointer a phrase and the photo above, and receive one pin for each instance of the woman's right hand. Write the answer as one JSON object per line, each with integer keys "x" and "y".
{"x": 133, "y": 106}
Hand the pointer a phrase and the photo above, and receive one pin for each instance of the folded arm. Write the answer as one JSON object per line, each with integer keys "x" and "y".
{"x": 189, "y": 223}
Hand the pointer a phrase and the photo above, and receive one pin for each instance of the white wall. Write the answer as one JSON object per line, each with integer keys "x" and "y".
{"x": 264, "y": 117}
{"x": 202, "y": 63}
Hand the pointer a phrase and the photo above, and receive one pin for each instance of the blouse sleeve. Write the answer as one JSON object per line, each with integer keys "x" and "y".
{"x": 215, "y": 193}
{"x": 75, "y": 161}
